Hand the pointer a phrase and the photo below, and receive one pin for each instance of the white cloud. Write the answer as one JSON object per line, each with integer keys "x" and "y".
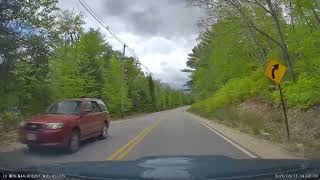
{"x": 162, "y": 41}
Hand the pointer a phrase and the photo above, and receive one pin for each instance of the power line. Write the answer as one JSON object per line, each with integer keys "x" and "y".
{"x": 91, "y": 12}
{"x": 132, "y": 52}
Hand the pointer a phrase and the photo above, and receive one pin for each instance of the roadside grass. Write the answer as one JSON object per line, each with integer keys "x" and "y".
{"x": 246, "y": 121}
{"x": 251, "y": 104}
{"x": 269, "y": 124}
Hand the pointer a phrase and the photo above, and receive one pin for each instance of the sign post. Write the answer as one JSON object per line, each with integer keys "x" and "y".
{"x": 284, "y": 111}
{"x": 275, "y": 71}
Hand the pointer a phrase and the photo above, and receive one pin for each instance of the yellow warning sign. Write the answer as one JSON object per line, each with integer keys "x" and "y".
{"x": 275, "y": 71}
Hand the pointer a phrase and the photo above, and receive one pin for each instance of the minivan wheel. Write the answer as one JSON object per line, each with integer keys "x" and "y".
{"x": 104, "y": 132}
{"x": 74, "y": 142}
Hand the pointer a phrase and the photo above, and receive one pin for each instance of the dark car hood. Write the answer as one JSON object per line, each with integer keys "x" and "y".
{"x": 179, "y": 167}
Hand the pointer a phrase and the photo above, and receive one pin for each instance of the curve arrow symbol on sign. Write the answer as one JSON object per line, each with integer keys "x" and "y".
{"x": 275, "y": 67}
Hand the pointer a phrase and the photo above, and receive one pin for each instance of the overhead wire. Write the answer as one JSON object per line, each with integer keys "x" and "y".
{"x": 134, "y": 55}
{"x": 92, "y": 13}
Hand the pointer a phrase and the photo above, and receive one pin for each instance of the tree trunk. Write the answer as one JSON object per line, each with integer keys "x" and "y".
{"x": 65, "y": 45}
{"x": 315, "y": 14}
{"x": 291, "y": 15}
{"x": 309, "y": 24}
{"x": 253, "y": 35}
{"x": 282, "y": 41}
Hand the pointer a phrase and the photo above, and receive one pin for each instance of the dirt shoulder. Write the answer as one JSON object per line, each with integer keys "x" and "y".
{"x": 262, "y": 148}
{"x": 9, "y": 141}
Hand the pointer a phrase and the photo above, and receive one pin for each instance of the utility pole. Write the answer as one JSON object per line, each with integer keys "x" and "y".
{"x": 122, "y": 80}
{"x": 160, "y": 97}
{"x": 170, "y": 100}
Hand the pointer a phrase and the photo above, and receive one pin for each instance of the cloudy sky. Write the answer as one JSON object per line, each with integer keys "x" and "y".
{"x": 161, "y": 32}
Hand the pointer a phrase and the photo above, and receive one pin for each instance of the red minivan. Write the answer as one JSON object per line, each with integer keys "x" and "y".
{"x": 66, "y": 123}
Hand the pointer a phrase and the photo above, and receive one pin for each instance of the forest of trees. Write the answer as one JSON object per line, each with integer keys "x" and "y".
{"x": 227, "y": 68}
{"x": 47, "y": 55}
{"x": 239, "y": 38}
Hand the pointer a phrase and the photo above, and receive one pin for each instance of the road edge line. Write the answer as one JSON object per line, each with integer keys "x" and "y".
{"x": 235, "y": 144}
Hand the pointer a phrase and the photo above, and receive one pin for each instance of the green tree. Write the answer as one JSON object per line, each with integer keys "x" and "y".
{"x": 46, "y": 55}
{"x": 242, "y": 36}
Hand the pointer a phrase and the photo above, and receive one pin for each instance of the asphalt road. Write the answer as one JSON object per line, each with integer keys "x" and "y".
{"x": 165, "y": 133}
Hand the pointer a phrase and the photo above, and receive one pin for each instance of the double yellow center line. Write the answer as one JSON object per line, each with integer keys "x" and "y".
{"x": 125, "y": 149}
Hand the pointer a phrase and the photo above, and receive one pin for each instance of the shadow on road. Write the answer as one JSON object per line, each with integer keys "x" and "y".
{"x": 54, "y": 152}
